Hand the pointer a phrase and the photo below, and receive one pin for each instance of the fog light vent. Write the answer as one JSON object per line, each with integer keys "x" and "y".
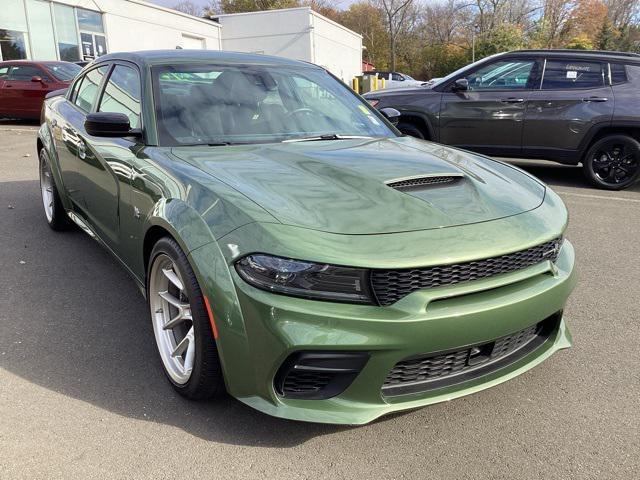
{"x": 318, "y": 375}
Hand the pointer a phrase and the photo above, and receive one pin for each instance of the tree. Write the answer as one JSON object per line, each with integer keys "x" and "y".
{"x": 368, "y": 20}
{"x": 189, "y": 7}
{"x": 395, "y": 13}
{"x": 581, "y": 42}
{"x": 239, "y": 6}
{"x": 501, "y": 39}
{"x": 607, "y": 37}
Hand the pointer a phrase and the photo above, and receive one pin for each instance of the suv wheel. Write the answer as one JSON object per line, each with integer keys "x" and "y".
{"x": 613, "y": 162}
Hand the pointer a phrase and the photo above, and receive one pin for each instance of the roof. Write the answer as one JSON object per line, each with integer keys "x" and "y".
{"x": 160, "y": 57}
{"x": 601, "y": 54}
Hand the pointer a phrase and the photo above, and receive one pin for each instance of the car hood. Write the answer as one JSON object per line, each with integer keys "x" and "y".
{"x": 341, "y": 186}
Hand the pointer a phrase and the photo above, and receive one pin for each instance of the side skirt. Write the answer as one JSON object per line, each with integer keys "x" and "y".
{"x": 86, "y": 229}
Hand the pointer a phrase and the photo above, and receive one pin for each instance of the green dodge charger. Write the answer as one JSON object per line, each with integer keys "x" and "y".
{"x": 294, "y": 248}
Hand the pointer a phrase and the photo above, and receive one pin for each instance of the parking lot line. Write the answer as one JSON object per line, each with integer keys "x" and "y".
{"x": 598, "y": 197}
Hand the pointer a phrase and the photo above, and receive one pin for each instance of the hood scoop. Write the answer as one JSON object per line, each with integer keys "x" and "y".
{"x": 418, "y": 182}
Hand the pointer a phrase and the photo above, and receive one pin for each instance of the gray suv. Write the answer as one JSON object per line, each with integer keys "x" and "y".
{"x": 563, "y": 105}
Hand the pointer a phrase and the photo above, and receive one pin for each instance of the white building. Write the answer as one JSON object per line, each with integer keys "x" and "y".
{"x": 75, "y": 30}
{"x": 298, "y": 33}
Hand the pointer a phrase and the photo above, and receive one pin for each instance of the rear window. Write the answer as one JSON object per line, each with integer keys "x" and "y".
{"x": 568, "y": 75}
{"x": 64, "y": 71}
{"x": 618, "y": 73}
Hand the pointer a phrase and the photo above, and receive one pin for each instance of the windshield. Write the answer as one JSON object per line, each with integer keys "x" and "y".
{"x": 232, "y": 104}
{"x": 63, "y": 71}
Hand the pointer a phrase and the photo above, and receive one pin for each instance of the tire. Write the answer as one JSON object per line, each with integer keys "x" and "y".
{"x": 410, "y": 129}
{"x": 613, "y": 162}
{"x": 54, "y": 212}
{"x": 201, "y": 376}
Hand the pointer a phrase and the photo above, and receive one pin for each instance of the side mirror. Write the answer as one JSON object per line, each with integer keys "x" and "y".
{"x": 461, "y": 85}
{"x": 109, "y": 124}
{"x": 391, "y": 114}
{"x": 37, "y": 79}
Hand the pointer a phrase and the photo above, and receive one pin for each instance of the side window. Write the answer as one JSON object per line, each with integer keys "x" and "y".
{"x": 24, "y": 73}
{"x": 618, "y": 73}
{"x": 88, "y": 89}
{"x": 4, "y": 71}
{"x": 568, "y": 75}
{"x": 122, "y": 94}
{"x": 503, "y": 75}
{"x": 396, "y": 77}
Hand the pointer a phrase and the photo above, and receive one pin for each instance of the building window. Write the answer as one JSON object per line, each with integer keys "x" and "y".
{"x": 65, "y": 21}
{"x": 12, "y": 45}
{"x": 43, "y": 44}
{"x": 90, "y": 20}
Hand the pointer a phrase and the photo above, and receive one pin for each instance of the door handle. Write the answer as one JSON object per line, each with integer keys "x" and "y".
{"x": 512, "y": 100}
{"x": 595, "y": 99}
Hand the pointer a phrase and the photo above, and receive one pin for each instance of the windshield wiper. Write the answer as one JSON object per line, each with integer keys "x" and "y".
{"x": 329, "y": 136}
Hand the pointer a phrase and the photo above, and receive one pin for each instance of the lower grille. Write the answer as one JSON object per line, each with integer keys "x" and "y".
{"x": 428, "y": 372}
{"x": 392, "y": 285}
{"x": 301, "y": 383}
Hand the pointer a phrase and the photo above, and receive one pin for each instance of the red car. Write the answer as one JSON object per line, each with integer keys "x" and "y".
{"x": 24, "y": 84}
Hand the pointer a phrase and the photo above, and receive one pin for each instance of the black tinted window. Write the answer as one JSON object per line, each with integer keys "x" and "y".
{"x": 566, "y": 74}
{"x": 24, "y": 73}
{"x": 122, "y": 94}
{"x": 618, "y": 73}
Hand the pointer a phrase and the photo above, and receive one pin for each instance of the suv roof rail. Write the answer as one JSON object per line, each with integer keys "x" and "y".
{"x": 581, "y": 52}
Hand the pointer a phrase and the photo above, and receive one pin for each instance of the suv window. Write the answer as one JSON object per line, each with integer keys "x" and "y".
{"x": 88, "y": 90}
{"x": 503, "y": 75}
{"x": 122, "y": 94}
{"x": 618, "y": 73}
{"x": 567, "y": 75}
{"x": 24, "y": 73}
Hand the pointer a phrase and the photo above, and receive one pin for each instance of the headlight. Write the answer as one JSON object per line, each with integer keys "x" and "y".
{"x": 305, "y": 279}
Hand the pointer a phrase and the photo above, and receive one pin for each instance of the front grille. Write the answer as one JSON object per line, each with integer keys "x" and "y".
{"x": 392, "y": 285}
{"x": 427, "y": 372}
{"x": 410, "y": 183}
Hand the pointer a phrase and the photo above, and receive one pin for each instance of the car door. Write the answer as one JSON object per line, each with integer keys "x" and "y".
{"x": 107, "y": 161}
{"x": 23, "y": 96}
{"x": 489, "y": 115}
{"x": 71, "y": 149}
{"x": 574, "y": 96}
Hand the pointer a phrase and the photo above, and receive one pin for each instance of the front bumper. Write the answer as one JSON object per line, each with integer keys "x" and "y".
{"x": 425, "y": 321}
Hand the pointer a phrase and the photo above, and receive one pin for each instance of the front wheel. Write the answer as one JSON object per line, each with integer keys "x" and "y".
{"x": 181, "y": 324}
{"x": 613, "y": 162}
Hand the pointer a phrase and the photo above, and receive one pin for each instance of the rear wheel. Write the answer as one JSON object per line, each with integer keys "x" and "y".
{"x": 613, "y": 162}
{"x": 411, "y": 129}
{"x": 53, "y": 210}
{"x": 181, "y": 325}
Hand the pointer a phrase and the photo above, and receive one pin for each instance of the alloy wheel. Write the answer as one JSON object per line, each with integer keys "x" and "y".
{"x": 615, "y": 163}
{"x": 172, "y": 319}
{"x": 46, "y": 187}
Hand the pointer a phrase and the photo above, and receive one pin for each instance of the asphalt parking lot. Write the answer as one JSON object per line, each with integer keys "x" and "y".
{"x": 82, "y": 393}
